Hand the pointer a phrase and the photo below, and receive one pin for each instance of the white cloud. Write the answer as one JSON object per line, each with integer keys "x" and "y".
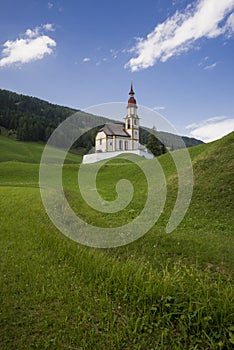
{"x": 50, "y": 5}
{"x": 211, "y": 129}
{"x": 203, "y": 61}
{"x": 34, "y": 45}
{"x": 32, "y": 33}
{"x": 86, "y": 59}
{"x": 205, "y": 19}
{"x": 114, "y": 53}
{"x": 48, "y": 27}
{"x": 204, "y": 64}
{"x": 211, "y": 66}
{"x": 158, "y": 108}
{"x": 229, "y": 27}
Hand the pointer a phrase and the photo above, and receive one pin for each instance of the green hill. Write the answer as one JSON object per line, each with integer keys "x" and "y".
{"x": 164, "y": 291}
{"x": 26, "y": 152}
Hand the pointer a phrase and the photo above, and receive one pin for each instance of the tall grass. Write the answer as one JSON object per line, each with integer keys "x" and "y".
{"x": 161, "y": 292}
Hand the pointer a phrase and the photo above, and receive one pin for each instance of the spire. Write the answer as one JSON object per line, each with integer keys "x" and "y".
{"x": 131, "y": 92}
{"x": 131, "y": 100}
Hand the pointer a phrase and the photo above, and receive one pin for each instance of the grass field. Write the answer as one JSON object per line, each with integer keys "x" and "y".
{"x": 26, "y": 152}
{"x": 164, "y": 291}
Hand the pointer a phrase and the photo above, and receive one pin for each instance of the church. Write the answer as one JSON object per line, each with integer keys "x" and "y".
{"x": 116, "y": 138}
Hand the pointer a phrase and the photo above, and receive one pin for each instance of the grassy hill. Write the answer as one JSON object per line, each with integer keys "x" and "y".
{"x": 164, "y": 291}
{"x": 26, "y": 152}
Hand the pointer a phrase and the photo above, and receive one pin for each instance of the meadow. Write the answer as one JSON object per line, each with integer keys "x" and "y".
{"x": 163, "y": 291}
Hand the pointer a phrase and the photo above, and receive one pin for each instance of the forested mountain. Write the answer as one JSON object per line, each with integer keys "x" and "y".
{"x": 173, "y": 142}
{"x": 33, "y": 119}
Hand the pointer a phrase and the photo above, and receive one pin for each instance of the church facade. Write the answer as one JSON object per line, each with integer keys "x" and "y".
{"x": 116, "y": 138}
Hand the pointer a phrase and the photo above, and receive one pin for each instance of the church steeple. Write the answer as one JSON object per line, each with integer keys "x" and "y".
{"x": 132, "y": 120}
{"x": 131, "y": 99}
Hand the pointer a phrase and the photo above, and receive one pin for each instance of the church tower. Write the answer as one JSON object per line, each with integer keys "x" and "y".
{"x": 132, "y": 121}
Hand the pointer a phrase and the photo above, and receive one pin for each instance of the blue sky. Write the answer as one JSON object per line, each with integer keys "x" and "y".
{"x": 178, "y": 53}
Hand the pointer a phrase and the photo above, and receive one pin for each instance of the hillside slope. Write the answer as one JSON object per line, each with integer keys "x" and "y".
{"x": 164, "y": 291}
{"x": 34, "y": 119}
{"x": 210, "y": 214}
{"x": 26, "y": 152}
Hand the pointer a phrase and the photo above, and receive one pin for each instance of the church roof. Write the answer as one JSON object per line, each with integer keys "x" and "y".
{"x": 115, "y": 129}
{"x": 131, "y": 98}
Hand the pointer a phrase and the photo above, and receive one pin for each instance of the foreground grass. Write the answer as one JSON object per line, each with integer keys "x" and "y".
{"x": 161, "y": 292}
{"x": 59, "y": 295}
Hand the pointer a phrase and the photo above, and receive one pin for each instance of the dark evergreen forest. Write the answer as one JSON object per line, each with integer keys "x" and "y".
{"x": 32, "y": 119}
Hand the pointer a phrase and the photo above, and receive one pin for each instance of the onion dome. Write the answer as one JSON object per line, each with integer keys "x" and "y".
{"x": 131, "y": 100}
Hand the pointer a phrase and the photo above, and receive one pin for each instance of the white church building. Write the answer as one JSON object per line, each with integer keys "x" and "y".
{"x": 116, "y": 138}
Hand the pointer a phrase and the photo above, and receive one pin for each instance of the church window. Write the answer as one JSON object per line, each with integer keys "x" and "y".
{"x": 100, "y": 141}
{"x": 120, "y": 144}
{"x": 129, "y": 125}
{"x": 126, "y": 145}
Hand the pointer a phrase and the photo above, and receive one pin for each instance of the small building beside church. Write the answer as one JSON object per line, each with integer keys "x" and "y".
{"x": 116, "y": 138}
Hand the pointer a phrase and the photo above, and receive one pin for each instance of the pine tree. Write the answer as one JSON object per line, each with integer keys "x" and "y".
{"x": 155, "y": 146}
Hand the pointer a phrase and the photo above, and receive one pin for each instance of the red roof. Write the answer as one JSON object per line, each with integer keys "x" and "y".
{"x": 131, "y": 99}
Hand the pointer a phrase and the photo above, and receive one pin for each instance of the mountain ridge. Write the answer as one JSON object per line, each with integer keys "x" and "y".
{"x": 34, "y": 119}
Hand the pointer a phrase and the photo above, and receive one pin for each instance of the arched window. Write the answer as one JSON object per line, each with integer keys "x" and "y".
{"x": 129, "y": 124}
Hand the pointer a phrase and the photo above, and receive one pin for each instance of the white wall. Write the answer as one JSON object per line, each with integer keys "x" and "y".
{"x": 100, "y": 142}
{"x": 125, "y": 144}
{"x": 96, "y": 157}
{"x": 110, "y": 145}
{"x": 104, "y": 144}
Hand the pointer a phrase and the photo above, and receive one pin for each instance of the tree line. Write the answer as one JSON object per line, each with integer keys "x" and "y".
{"x": 30, "y": 118}
{"x": 33, "y": 119}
